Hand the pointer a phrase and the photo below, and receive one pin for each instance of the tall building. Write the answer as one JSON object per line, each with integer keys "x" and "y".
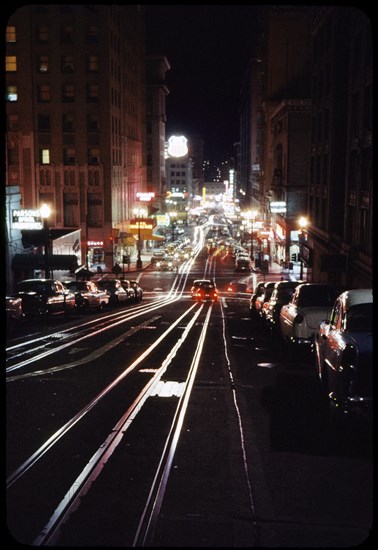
{"x": 76, "y": 113}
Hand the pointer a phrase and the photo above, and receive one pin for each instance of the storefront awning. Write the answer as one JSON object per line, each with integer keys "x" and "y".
{"x": 37, "y": 261}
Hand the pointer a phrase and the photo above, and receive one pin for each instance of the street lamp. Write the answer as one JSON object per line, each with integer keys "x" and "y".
{"x": 139, "y": 259}
{"x": 303, "y": 222}
{"x": 45, "y": 211}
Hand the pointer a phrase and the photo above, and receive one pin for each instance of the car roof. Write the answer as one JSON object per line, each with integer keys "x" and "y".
{"x": 356, "y": 296}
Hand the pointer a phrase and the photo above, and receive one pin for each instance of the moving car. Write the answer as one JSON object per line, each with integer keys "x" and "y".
{"x": 309, "y": 305}
{"x": 126, "y": 284}
{"x": 88, "y": 295}
{"x": 344, "y": 354}
{"x": 14, "y": 311}
{"x": 45, "y": 297}
{"x": 242, "y": 263}
{"x": 166, "y": 263}
{"x": 117, "y": 294}
{"x": 204, "y": 290}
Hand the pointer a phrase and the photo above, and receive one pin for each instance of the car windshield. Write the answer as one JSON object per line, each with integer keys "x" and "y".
{"x": 79, "y": 285}
{"x": 360, "y": 318}
{"x": 33, "y": 286}
{"x": 317, "y": 296}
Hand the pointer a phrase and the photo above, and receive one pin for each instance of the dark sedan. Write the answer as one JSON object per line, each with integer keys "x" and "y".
{"x": 45, "y": 297}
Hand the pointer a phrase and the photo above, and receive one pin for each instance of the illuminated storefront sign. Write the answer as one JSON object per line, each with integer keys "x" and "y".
{"x": 177, "y": 146}
{"x": 145, "y": 197}
{"x": 26, "y": 219}
{"x": 95, "y": 243}
{"x": 278, "y": 207}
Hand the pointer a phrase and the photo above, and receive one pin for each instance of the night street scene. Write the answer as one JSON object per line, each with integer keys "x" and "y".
{"x": 189, "y": 276}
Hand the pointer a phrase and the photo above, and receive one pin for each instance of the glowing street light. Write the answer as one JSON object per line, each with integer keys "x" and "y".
{"x": 45, "y": 211}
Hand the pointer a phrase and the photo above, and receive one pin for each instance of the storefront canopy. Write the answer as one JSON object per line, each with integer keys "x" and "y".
{"x": 37, "y": 261}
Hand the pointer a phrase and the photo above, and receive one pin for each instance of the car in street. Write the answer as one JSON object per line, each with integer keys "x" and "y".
{"x": 308, "y": 306}
{"x": 281, "y": 295}
{"x": 41, "y": 297}
{"x": 14, "y": 313}
{"x": 344, "y": 355}
{"x": 88, "y": 295}
{"x": 204, "y": 290}
{"x": 242, "y": 263}
{"x": 117, "y": 294}
{"x": 130, "y": 291}
{"x": 137, "y": 289}
{"x": 167, "y": 263}
{"x": 157, "y": 255}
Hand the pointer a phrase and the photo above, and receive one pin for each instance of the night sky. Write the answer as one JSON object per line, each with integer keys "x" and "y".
{"x": 208, "y": 48}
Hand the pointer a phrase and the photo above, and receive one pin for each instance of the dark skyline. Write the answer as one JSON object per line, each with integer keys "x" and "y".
{"x": 208, "y": 48}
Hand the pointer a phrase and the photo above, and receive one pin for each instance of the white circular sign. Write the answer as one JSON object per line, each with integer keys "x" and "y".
{"x": 177, "y": 146}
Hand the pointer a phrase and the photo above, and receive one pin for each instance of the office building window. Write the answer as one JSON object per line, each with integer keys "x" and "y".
{"x": 10, "y": 34}
{"x": 67, "y": 64}
{"x": 66, "y": 34}
{"x": 92, "y": 123}
{"x": 44, "y": 93}
{"x": 92, "y": 63}
{"x": 92, "y": 93}
{"x": 69, "y": 156}
{"x": 70, "y": 209}
{"x": 44, "y": 156}
{"x": 94, "y": 209}
{"x": 68, "y": 123}
{"x": 43, "y": 64}
{"x": 93, "y": 156}
{"x": 92, "y": 34}
{"x": 10, "y": 63}
{"x": 11, "y": 93}
{"x": 44, "y": 123}
{"x": 43, "y": 34}
{"x": 68, "y": 93}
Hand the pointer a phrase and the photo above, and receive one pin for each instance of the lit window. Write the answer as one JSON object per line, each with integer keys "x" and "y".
{"x": 10, "y": 34}
{"x": 45, "y": 156}
{"x": 43, "y": 66}
{"x": 10, "y": 63}
{"x": 11, "y": 94}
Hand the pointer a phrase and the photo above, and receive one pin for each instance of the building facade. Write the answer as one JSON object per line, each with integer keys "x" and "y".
{"x": 76, "y": 111}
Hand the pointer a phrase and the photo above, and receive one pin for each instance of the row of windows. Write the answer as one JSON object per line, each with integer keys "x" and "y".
{"x": 67, "y": 64}
{"x": 66, "y": 34}
{"x": 44, "y": 93}
{"x": 70, "y": 156}
{"x": 68, "y": 123}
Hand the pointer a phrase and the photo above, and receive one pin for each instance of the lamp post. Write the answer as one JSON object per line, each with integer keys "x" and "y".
{"x": 303, "y": 222}
{"x": 139, "y": 259}
{"x": 253, "y": 216}
{"x": 45, "y": 214}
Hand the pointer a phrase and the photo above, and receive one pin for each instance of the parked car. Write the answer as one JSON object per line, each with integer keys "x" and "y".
{"x": 265, "y": 295}
{"x": 204, "y": 290}
{"x": 309, "y": 305}
{"x": 14, "y": 313}
{"x": 45, "y": 297}
{"x": 88, "y": 295}
{"x": 281, "y": 295}
{"x": 344, "y": 354}
{"x": 259, "y": 289}
{"x": 117, "y": 294}
{"x": 126, "y": 284}
{"x": 137, "y": 289}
